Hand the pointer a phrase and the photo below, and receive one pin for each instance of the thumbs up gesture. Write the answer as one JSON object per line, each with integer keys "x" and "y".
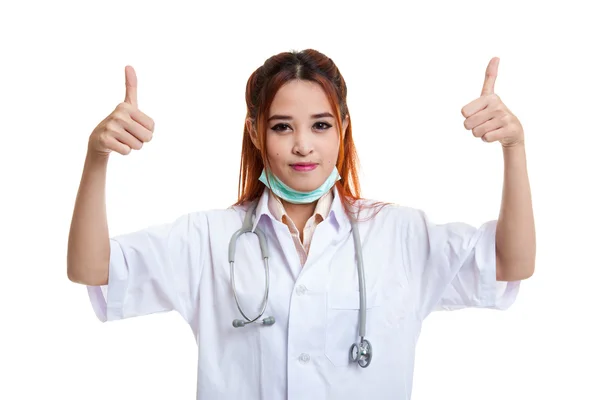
{"x": 126, "y": 128}
{"x": 488, "y": 117}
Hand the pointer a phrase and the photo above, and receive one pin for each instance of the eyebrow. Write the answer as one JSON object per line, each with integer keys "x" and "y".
{"x": 314, "y": 116}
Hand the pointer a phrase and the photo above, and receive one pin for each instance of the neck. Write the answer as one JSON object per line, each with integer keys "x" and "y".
{"x": 299, "y": 213}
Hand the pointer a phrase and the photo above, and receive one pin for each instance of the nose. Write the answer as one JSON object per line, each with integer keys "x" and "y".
{"x": 303, "y": 145}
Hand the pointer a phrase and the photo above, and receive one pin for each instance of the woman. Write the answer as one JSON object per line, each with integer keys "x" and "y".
{"x": 300, "y": 187}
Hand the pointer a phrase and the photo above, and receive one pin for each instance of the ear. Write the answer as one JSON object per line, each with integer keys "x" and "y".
{"x": 345, "y": 124}
{"x": 252, "y": 131}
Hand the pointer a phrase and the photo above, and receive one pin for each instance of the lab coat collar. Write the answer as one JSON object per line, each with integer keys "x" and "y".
{"x": 262, "y": 208}
{"x": 336, "y": 212}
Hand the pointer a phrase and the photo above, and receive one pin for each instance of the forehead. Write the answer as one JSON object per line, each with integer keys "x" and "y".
{"x": 300, "y": 97}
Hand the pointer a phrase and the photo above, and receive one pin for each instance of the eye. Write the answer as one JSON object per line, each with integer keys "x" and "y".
{"x": 280, "y": 127}
{"x": 322, "y": 126}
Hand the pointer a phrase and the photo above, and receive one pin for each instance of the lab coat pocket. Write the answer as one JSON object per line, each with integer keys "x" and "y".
{"x": 343, "y": 323}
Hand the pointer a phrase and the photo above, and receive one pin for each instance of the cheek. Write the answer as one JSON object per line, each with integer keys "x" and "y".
{"x": 276, "y": 159}
{"x": 274, "y": 156}
{"x": 275, "y": 147}
{"x": 333, "y": 152}
{"x": 272, "y": 151}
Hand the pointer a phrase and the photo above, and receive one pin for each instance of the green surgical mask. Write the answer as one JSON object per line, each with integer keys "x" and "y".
{"x": 290, "y": 195}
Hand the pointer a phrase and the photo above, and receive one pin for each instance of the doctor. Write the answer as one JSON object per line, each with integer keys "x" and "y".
{"x": 339, "y": 294}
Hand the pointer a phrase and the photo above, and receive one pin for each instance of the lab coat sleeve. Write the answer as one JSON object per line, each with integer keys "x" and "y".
{"x": 153, "y": 270}
{"x": 453, "y": 266}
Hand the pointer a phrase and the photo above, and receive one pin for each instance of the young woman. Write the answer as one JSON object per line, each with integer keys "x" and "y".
{"x": 302, "y": 289}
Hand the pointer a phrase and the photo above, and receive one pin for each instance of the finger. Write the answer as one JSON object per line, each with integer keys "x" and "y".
{"x": 475, "y": 106}
{"x": 479, "y": 118}
{"x": 128, "y": 139}
{"x": 138, "y": 131}
{"x": 491, "y": 73}
{"x": 487, "y": 127}
{"x": 142, "y": 119}
{"x": 131, "y": 86}
{"x": 113, "y": 144}
{"x": 494, "y": 135}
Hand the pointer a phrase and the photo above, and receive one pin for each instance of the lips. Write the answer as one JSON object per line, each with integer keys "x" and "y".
{"x": 304, "y": 166}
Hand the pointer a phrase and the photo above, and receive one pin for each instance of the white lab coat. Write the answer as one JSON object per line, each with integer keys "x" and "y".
{"x": 412, "y": 267}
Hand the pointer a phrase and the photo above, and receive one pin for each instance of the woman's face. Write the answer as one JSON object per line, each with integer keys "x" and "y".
{"x": 302, "y": 135}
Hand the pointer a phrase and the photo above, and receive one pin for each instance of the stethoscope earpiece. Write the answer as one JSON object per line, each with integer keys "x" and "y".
{"x": 238, "y": 323}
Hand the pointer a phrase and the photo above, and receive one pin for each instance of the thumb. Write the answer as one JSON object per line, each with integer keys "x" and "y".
{"x": 130, "y": 86}
{"x": 491, "y": 73}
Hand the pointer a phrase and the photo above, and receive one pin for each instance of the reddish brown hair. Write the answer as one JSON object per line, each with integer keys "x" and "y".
{"x": 261, "y": 88}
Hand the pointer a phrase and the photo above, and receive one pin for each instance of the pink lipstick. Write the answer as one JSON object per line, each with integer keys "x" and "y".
{"x": 303, "y": 167}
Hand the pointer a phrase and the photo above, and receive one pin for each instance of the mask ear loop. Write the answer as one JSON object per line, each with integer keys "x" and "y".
{"x": 265, "y": 158}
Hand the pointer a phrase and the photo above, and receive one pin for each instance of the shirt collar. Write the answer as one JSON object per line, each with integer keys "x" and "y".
{"x": 321, "y": 210}
{"x": 328, "y": 205}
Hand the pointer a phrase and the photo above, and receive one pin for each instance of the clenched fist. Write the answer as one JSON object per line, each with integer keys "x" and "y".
{"x": 126, "y": 127}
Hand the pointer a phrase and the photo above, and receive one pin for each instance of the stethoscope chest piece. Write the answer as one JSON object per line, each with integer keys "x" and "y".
{"x": 361, "y": 353}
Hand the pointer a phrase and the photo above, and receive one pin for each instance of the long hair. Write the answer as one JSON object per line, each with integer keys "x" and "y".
{"x": 261, "y": 88}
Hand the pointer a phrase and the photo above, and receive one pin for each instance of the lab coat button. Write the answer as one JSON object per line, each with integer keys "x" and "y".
{"x": 304, "y": 358}
{"x": 300, "y": 290}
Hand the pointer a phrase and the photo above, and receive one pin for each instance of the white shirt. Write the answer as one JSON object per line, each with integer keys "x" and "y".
{"x": 412, "y": 267}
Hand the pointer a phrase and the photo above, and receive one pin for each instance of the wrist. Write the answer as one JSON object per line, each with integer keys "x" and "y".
{"x": 95, "y": 158}
{"x": 514, "y": 146}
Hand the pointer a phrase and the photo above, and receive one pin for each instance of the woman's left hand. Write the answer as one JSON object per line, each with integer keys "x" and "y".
{"x": 489, "y": 118}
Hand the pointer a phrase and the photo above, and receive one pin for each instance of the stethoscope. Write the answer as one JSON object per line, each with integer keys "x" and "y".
{"x": 360, "y": 352}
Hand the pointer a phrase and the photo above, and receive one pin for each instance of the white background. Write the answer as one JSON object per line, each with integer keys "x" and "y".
{"x": 409, "y": 69}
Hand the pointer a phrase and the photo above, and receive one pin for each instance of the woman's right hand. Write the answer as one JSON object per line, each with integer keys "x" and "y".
{"x": 126, "y": 127}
